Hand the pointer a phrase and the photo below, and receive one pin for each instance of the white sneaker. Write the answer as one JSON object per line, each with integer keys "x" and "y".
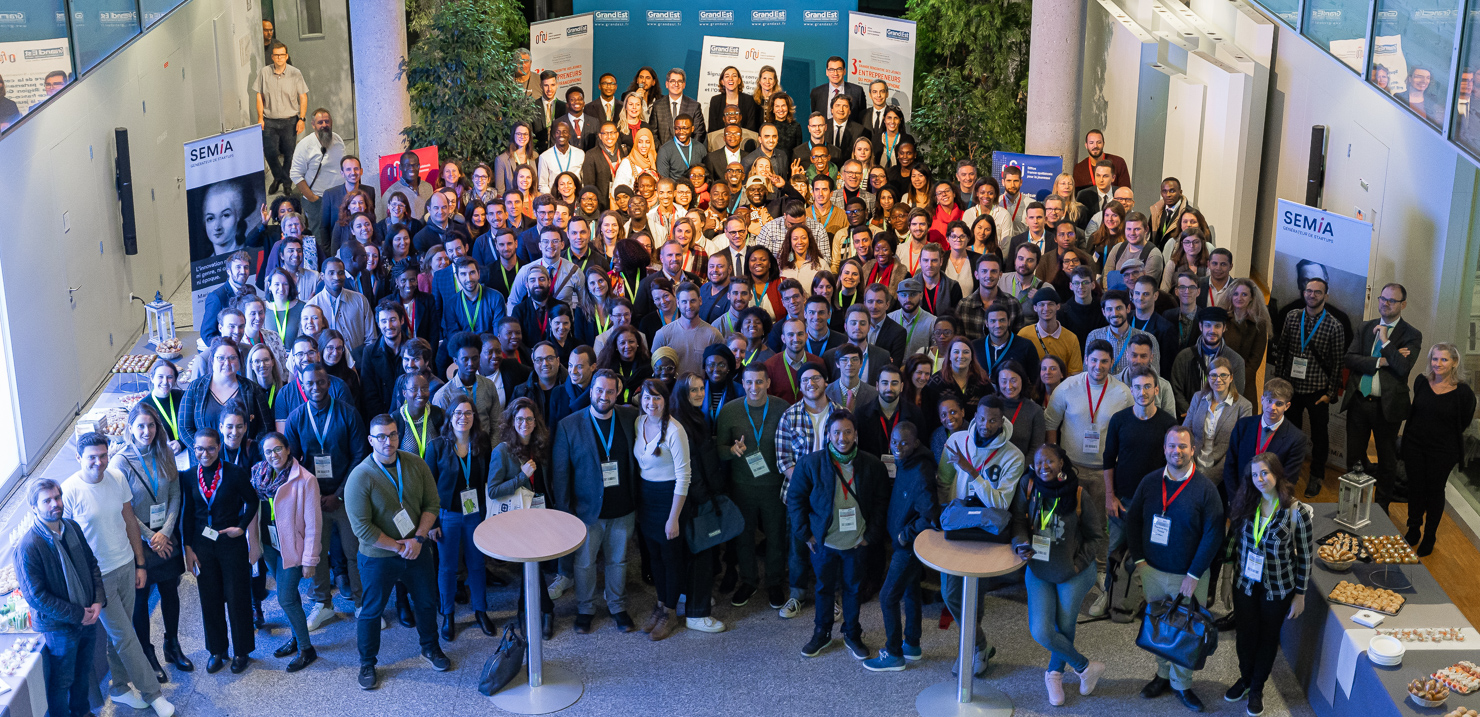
{"x": 322, "y": 615}
{"x": 130, "y": 698}
{"x": 384, "y": 623}
{"x": 791, "y": 609}
{"x": 704, "y": 624}
{"x": 1101, "y": 605}
{"x": 162, "y": 707}
{"x": 558, "y": 586}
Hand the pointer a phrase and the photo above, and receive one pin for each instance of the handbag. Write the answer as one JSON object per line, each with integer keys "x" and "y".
{"x": 520, "y": 499}
{"x": 504, "y": 663}
{"x": 1181, "y": 633}
{"x": 714, "y": 523}
{"x": 969, "y": 519}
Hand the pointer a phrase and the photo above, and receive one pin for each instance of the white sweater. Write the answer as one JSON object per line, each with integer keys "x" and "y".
{"x": 672, "y": 461}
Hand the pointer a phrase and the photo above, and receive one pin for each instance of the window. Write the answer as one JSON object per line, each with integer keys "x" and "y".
{"x": 1340, "y": 26}
{"x": 101, "y": 26}
{"x": 1413, "y": 43}
{"x": 310, "y": 19}
{"x": 1286, "y": 10}
{"x": 1466, "y": 131}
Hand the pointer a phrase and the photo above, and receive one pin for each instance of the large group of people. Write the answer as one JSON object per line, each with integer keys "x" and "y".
{"x": 621, "y": 319}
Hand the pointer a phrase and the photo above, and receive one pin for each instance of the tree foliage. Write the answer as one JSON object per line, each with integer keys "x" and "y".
{"x": 460, "y": 76}
{"x": 971, "y": 88}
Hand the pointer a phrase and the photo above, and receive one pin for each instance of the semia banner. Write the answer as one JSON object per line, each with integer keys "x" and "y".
{"x": 1313, "y": 244}
{"x": 748, "y": 56}
{"x": 224, "y": 194}
{"x": 883, "y": 48}
{"x": 564, "y": 45}
{"x": 1038, "y": 171}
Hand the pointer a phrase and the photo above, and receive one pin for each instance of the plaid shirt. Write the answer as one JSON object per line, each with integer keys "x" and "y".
{"x": 773, "y": 235}
{"x": 1288, "y": 547}
{"x": 794, "y": 438}
{"x": 973, "y": 314}
{"x": 1323, "y": 351}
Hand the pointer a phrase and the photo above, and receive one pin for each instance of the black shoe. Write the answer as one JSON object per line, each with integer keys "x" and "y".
{"x": 239, "y": 664}
{"x": 1312, "y": 489}
{"x": 1425, "y": 547}
{"x": 449, "y": 628}
{"x": 1238, "y": 691}
{"x": 176, "y": 657}
{"x": 259, "y": 620}
{"x": 583, "y": 624}
{"x": 1256, "y": 705}
{"x": 437, "y": 658}
{"x": 547, "y": 626}
{"x": 728, "y": 582}
{"x": 462, "y": 595}
{"x": 776, "y": 596}
{"x": 403, "y": 612}
{"x": 856, "y": 648}
{"x": 485, "y": 623}
{"x": 159, "y": 673}
{"x": 215, "y": 664}
{"x": 342, "y": 585}
{"x": 1225, "y": 623}
{"x": 368, "y": 679}
{"x": 1157, "y": 687}
{"x": 287, "y": 648}
{"x": 742, "y": 595}
{"x": 1190, "y": 699}
{"x": 624, "y": 621}
{"x": 305, "y": 657}
{"x": 818, "y": 643}
{"x": 1414, "y": 534}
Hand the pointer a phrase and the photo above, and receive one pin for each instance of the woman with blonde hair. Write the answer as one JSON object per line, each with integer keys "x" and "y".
{"x": 1063, "y": 186}
{"x": 1248, "y": 328}
{"x": 642, "y": 160}
{"x": 1433, "y": 441}
{"x": 766, "y": 87}
{"x": 263, "y": 367}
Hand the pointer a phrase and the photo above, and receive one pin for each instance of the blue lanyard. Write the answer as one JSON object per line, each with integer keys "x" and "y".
{"x": 606, "y": 440}
{"x": 153, "y": 484}
{"x": 1305, "y": 339}
{"x": 467, "y": 466}
{"x": 400, "y": 487}
{"x": 316, "y": 433}
{"x": 557, "y": 159}
{"x": 715, "y": 413}
{"x": 1125, "y": 343}
{"x": 816, "y": 353}
{"x": 687, "y": 158}
{"x": 1143, "y": 325}
{"x": 994, "y": 356}
{"x": 753, "y": 429}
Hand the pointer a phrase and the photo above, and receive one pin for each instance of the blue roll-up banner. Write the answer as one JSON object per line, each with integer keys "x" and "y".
{"x": 663, "y": 34}
{"x": 1038, "y": 171}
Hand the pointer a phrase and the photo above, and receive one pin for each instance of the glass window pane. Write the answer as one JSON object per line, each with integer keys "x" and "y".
{"x": 101, "y": 26}
{"x": 1469, "y": 59}
{"x": 156, "y": 9}
{"x": 1340, "y": 26}
{"x": 1413, "y": 42}
{"x": 310, "y": 19}
{"x": 1286, "y": 10}
{"x": 33, "y": 44}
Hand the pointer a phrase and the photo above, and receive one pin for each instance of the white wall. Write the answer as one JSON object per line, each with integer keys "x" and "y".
{"x": 62, "y": 217}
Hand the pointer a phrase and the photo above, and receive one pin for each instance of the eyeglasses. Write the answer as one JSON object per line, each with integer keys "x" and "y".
{"x": 1385, "y": 300}
{"x": 1184, "y": 287}
{"x": 1219, "y": 376}
{"x": 274, "y": 451}
{"x": 463, "y": 414}
{"x": 383, "y": 437}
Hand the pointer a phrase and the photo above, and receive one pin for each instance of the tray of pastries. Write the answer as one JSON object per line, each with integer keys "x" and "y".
{"x": 1462, "y": 677}
{"x": 135, "y": 363}
{"x": 1462, "y": 712}
{"x": 1390, "y": 549}
{"x": 1386, "y": 602}
{"x": 169, "y": 349}
{"x": 1341, "y": 542}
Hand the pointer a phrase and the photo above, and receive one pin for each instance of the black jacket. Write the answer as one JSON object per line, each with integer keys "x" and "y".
{"x": 912, "y": 506}
{"x": 1392, "y": 378}
{"x": 874, "y": 430}
{"x": 809, "y": 497}
{"x": 575, "y": 481}
{"x": 44, "y": 585}
{"x": 380, "y": 366}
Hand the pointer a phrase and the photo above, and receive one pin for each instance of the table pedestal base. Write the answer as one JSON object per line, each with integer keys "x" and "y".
{"x": 943, "y": 700}
{"x": 560, "y": 688}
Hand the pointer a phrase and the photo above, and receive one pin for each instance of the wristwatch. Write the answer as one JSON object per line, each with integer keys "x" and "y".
{"x": 420, "y": 539}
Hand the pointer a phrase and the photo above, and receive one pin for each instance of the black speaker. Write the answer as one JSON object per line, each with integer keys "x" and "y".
{"x": 124, "y": 180}
{"x": 1315, "y": 172}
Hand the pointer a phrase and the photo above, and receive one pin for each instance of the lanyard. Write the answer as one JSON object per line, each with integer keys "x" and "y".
{"x": 765, "y": 288}
{"x": 1044, "y": 516}
{"x": 714, "y": 415}
{"x": 995, "y": 356}
{"x": 687, "y": 158}
{"x": 271, "y": 395}
{"x": 314, "y": 422}
{"x": 1167, "y": 502}
{"x": 1094, "y": 407}
{"x": 847, "y": 484}
{"x": 1125, "y": 343}
{"x": 238, "y": 459}
{"x": 932, "y": 297}
{"x": 606, "y": 440}
{"x": 1262, "y": 443}
{"x": 209, "y": 493}
{"x": 889, "y": 426}
{"x": 830, "y": 209}
{"x": 790, "y": 379}
{"x": 601, "y": 324}
{"x": 570, "y": 255}
{"x": 1305, "y": 338}
{"x": 913, "y": 266}
{"x": 466, "y": 463}
{"x": 757, "y": 431}
{"x": 977, "y": 469}
{"x": 280, "y": 317}
{"x": 889, "y": 149}
{"x": 1015, "y": 204}
{"x": 1259, "y": 528}
{"x": 504, "y": 272}
{"x": 170, "y": 417}
{"x": 400, "y": 487}
{"x": 477, "y": 312}
{"x": 751, "y": 358}
{"x": 153, "y": 482}
{"x": 873, "y": 273}
{"x": 909, "y": 333}
{"x": 816, "y": 353}
{"x": 562, "y": 167}
{"x": 421, "y": 438}
{"x": 631, "y": 292}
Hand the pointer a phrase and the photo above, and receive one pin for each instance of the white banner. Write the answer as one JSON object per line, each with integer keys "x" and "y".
{"x": 564, "y": 45}
{"x": 747, "y": 56}
{"x": 25, "y": 65}
{"x": 1311, "y": 243}
{"x": 224, "y": 193}
{"x": 882, "y": 48}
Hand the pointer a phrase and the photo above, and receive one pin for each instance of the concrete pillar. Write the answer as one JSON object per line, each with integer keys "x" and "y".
{"x": 1055, "y": 60}
{"x": 377, "y": 31}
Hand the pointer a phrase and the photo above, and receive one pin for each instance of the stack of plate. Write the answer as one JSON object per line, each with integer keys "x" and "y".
{"x": 1385, "y": 650}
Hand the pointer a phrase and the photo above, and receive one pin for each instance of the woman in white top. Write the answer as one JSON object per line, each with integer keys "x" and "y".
{"x": 960, "y": 265}
{"x": 800, "y": 258}
{"x": 662, "y": 450}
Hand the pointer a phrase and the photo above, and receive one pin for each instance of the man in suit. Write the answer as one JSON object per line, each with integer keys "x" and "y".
{"x": 605, "y": 108}
{"x": 823, "y": 95}
{"x": 599, "y": 167}
{"x": 884, "y": 332}
{"x": 716, "y": 139}
{"x": 583, "y": 130}
{"x": 1164, "y": 214}
{"x": 349, "y": 168}
{"x": 547, "y": 111}
{"x": 594, "y": 477}
{"x": 1095, "y": 198}
{"x": 842, "y": 131}
{"x": 1094, "y": 144}
{"x": 873, "y": 116}
{"x": 675, "y": 103}
{"x": 856, "y": 328}
{"x": 1381, "y": 356}
{"x": 731, "y": 151}
{"x": 768, "y": 148}
{"x": 1267, "y": 432}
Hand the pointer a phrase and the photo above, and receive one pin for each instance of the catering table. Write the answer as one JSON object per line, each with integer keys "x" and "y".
{"x": 1327, "y": 651}
{"x": 25, "y": 694}
{"x": 530, "y": 536}
{"x": 970, "y": 560}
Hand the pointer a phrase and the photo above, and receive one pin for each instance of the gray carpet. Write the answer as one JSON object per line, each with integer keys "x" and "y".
{"x": 755, "y": 668}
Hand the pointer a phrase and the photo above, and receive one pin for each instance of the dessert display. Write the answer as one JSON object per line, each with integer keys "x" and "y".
{"x": 135, "y": 363}
{"x": 1339, "y": 543}
{"x": 1428, "y": 693}
{"x": 113, "y": 424}
{"x": 1462, "y": 712}
{"x": 169, "y": 348}
{"x": 1425, "y": 634}
{"x": 1375, "y": 599}
{"x": 13, "y": 659}
{"x": 1462, "y": 677}
{"x": 1390, "y": 549}
{"x": 132, "y": 399}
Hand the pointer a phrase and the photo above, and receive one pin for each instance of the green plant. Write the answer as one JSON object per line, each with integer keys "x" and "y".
{"x": 971, "y": 80}
{"x": 460, "y": 76}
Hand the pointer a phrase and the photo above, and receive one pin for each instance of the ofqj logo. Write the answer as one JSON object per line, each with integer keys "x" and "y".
{"x": 541, "y": 38}
{"x": 665, "y": 17}
{"x": 752, "y": 53}
{"x": 1309, "y": 224}
{"x": 724, "y": 51}
{"x": 116, "y": 18}
{"x": 612, "y": 17}
{"x": 860, "y": 29}
{"x": 767, "y": 17}
{"x": 211, "y": 152}
{"x": 716, "y": 17}
{"x": 819, "y": 18}
{"x": 897, "y": 35}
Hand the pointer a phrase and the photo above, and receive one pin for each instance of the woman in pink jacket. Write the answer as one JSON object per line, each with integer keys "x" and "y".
{"x": 289, "y": 517}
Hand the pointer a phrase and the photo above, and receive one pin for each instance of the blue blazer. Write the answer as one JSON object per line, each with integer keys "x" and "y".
{"x": 575, "y": 485}
{"x": 809, "y": 497}
{"x": 1289, "y": 443}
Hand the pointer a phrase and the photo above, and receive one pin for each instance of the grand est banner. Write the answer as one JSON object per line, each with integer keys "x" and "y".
{"x": 883, "y": 48}
{"x": 564, "y": 45}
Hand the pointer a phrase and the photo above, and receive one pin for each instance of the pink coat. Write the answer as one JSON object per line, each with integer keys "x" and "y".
{"x": 298, "y": 520}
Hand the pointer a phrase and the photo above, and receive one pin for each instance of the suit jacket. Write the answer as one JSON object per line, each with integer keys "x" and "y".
{"x": 597, "y": 173}
{"x": 716, "y": 162}
{"x": 864, "y": 395}
{"x": 662, "y": 118}
{"x": 750, "y": 112}
{"x": 586, "y": 139}
{"x": 379, "y": 368}
{"x": 894, "y": 339}
{"x": 874, "y": 362}
{"x": 1084, "y": 174}
{"x": 1090, "y": 198}
{"x": 851, "y": 132}
{"x": 575, "y": 481}
{"x": 809, "y": 496}
{"x": 874, "y": 429}
{"x": 597, "y": 112}
{"x": 542, "y": 138}
{"x": 855, "y": 93}
{"x": 1393, "y": 378}
{"x": 1288, "y": 442}
{"x": 1197, "y": 415}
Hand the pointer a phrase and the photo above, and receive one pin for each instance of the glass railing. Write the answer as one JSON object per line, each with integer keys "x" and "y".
{"x": 46, "y": 44}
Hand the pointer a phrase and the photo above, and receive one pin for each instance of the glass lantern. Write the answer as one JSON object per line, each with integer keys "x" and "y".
{"x": 159, "y": 316}
{"x": 1357, "y": 491}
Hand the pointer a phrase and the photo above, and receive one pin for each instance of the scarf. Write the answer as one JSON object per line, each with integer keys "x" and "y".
{"x": 844, "y": 458}
{"x": 266, "y": 481}
{"x": 1065, "y": 491}
{"x": 648, "y": 162}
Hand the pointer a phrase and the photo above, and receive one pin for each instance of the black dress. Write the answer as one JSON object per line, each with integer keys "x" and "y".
{"x": 1432, "y": 446}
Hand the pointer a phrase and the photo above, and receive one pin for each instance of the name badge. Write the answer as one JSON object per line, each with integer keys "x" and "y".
{"x": 609, "y": 478}
{"x": 1161, "y": 529}
{"x": 404, "y": 524}
{"x": 272, "y": 534}
{"x": 1254, "y": 566}
{"x": 757, "y": 463}
{"x": 469, "y": 501}
{"x": 1092, "y": 441}
{"x": 156, "y": 516}
{"x": 889, "y": 464}
{"x": 1298, "y": 367}
{"x": 848, "y": 519}
{"x": 1041, "y": 546}
{"x": 182, "y": 461}
{"x": 209, "y": 533}
{"x": 538, "y": 501}
{"x": 323, "y": 467}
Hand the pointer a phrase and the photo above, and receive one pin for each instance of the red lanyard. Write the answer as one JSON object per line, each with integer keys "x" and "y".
{"x": 1165, "y": 503}
{"x": 847, "y": 484}
{"x": 1094, "y": 407}
{"x": 1262, "y": 443}
{"x": 411, "y": 316}
{"x": 978, "y": 468}
{"x": 916, "y": 265}
{"x": 874, "y": 272}
{"x": 208, "y": 493}
{"x": 932, "y": 297}
{"x": 1020, "y": 408}
{"x": 889, "y": 427}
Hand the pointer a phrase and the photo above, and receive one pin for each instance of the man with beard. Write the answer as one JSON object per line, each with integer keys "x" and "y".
{"x": 1094, "y": 145}
{"x": 1116, "y": 308}
{"x": 315, "y": 168}
{"x": 347, "y": 310}
{"x": 533, "y": 310}
{"x": 474, "y": 307}
{"x": 238, "y": 267}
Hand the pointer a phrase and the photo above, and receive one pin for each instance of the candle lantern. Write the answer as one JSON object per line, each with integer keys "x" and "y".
{"x": 1355, "y": 496}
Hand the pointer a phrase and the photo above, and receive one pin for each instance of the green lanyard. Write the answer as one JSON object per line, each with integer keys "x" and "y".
{"x": 1259, "y": 528}
{"x": 1044, "y": 516}
{"x": 477, "y": 312}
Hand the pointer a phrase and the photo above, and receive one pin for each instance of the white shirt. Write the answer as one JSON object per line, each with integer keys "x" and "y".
{"x": 316, "y": 164}
{"x": 552, "y": 163}
{"x": 672, "y": 461}
{"x": 98, "y": 508}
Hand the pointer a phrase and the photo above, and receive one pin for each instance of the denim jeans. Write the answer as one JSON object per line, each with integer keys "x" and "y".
{"x": 126, "y": 662}
{"x": 457, "y": 545}
{"x": 798, "y": 567}
{"x": 832, "y": 565}
{"x": 323, "y": 591}
{"x": 612, "y": 535}
{"x": 287, "y": 592}
{"x": 379, "y": 576}
{"x": 68, "y": 659}
{"x": 1053, "y": 613}
{"x": 901, "y": 583}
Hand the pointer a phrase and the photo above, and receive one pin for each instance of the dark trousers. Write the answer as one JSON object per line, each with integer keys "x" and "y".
{"x": 68, "y": 659}
{"x": 377, "y": 577}
{"x": 225, "y": 582}
{"x": 1428, "y": 473}
{"x": 1258, "y": 635}
{"x": 831, "y": 566}
{"x": 169, "y": 611}
{"x": 669, "y": 569}
{"x": 798, "y": 567}
{"x": 700, "y": 587}
{"x": 1364, "y": 420}
{"x": 762, "y": 509}
{"x": 901, "y": 583}
{"x": 1320, "y": 432}
{"x": 279, "y": 136}
{"x": 259, "y": 583}
{"x": 457, "y": 549}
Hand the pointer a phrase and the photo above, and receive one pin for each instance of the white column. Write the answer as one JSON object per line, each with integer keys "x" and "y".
{"x": 1055, "y": 60}
{"x": 382, "y": 106}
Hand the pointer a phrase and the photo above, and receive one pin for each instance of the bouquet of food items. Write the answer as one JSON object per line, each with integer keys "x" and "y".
{"x": 169, "y": 348}
{"x": 1430, "y": 690}
{"x": 135, "y": 363}
{"x": 1462, "y": 677}
{"x": 1333, "y": 554}
{"x": 113, "y": 424}
{"x": 1391, "y": 549}
{"x": 1425, "y": 634}
{"x": 1338, "y": 544}
{"x": 1384, "y": 601}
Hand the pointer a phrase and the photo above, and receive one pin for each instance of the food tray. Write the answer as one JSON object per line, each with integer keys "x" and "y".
{"x": 135, "y": 363}
{"x": 1329, "y": 597}
{"x": 1390, "y": 550}
{"x": 1365, "y": 558}
{"x": 1364, "y": 607}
